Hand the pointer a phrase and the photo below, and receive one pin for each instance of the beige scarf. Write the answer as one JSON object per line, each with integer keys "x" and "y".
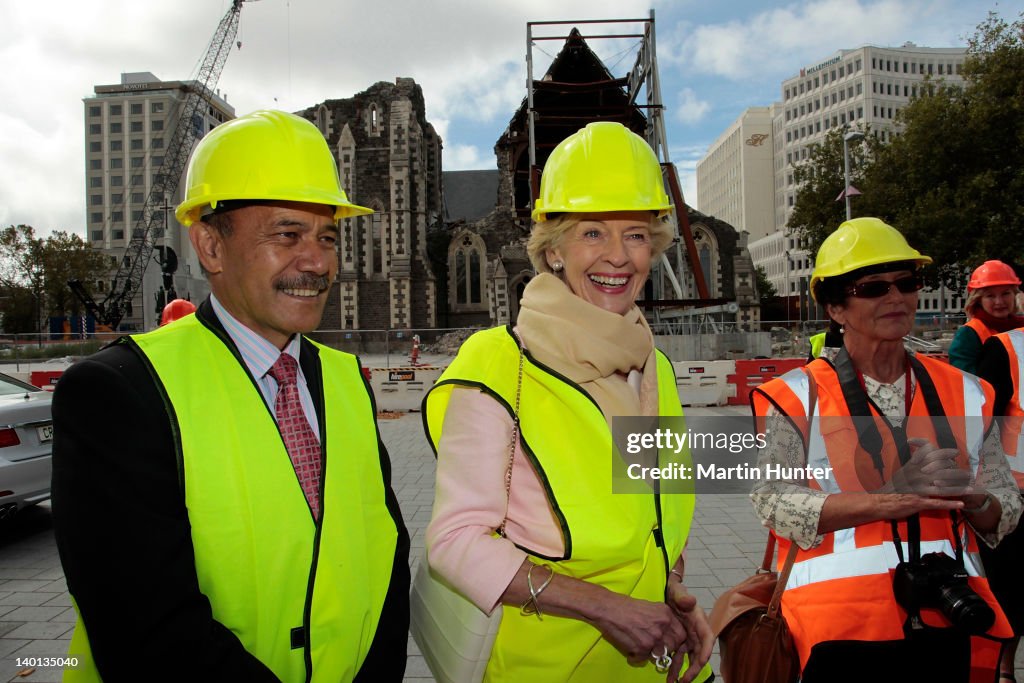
{"x": 593, "y": 347}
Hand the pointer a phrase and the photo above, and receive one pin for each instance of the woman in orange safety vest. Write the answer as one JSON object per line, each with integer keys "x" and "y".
{"x": 991, "y": 308}
{"x": 1002, "y": 365}
{"x": 898, "y": 456}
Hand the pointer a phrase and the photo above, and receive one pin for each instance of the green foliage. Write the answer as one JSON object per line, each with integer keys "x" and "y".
{"x": 816, "y": 212}
{"x": 34, "y": 272}
{"x": 765, "y": 289}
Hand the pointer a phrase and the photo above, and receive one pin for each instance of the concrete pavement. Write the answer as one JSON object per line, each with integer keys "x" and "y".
{"x": 36, "y": 617}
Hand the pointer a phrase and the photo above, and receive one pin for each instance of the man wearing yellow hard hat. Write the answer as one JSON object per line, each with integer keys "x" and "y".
{"x": 226, "y": 512}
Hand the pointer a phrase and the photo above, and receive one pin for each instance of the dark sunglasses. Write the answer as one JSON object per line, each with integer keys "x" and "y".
{"x": 879, "y": 288}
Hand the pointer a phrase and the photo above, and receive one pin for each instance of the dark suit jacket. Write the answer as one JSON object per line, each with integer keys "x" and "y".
{"x": 124, "y": 537}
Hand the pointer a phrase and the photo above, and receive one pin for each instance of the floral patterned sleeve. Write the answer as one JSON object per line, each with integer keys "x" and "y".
{"x": 789, "y": 507}
{"x": 995, "y": 477}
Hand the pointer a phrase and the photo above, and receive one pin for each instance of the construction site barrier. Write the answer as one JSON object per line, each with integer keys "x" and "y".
{"x": 44, "y": 379}
{"x": 402, "y": 389}
{"x": 754, "y": 373}
{"x": 704, "y": 383}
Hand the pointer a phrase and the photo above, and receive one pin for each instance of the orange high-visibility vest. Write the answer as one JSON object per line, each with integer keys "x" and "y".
{"x": 842, "y": 589}
{"x": 983, "y": 331}
{"x": 1010, "y": 426}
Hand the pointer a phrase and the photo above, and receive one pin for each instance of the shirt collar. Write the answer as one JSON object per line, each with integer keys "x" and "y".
{"x": 258, "y": 353}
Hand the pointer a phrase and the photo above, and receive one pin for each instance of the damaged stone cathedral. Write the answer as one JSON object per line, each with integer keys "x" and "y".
{"x": 446, "y": 250}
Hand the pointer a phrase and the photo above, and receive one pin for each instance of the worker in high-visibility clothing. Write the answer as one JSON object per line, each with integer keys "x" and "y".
{"x": 590, "y": 583}
{"x": 1002, "y": 365}
{"x": 991, "y": 308}
{"x": 899, "y": 454}
{"x": 222, "y": 501}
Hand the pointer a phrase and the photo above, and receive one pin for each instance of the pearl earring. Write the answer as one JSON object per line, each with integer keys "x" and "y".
{"x": 557, "y": 266}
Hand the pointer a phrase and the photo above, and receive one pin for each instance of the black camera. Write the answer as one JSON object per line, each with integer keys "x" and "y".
{"x": 937, "y": 581}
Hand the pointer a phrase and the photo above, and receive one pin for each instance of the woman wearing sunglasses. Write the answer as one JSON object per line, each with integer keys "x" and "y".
{"x": 991, "y": 308}
{"x": 900, "y": 474}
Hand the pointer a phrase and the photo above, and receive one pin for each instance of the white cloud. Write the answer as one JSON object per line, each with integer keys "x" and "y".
{"x": 781, "y": 40}
{"x": 690, "y": 109}
{"x": 465, "y": 157}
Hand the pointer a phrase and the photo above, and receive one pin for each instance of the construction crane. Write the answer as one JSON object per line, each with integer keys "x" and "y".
{"x": 189, "y": 128}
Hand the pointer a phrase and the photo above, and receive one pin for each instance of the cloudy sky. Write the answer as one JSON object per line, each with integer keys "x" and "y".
{"x": 715, "y": 59}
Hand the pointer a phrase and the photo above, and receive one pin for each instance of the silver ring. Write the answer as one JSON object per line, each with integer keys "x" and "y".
{"x": 663, "y": 662}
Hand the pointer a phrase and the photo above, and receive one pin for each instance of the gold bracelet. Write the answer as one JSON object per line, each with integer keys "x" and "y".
{"x": 532, "y": 606}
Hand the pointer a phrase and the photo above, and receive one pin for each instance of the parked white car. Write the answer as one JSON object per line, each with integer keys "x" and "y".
{"x": 26, "y": 439}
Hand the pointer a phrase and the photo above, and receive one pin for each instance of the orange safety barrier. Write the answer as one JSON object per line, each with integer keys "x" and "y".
{"x": 754, "y": 373}
{"x": 44, "y": 379}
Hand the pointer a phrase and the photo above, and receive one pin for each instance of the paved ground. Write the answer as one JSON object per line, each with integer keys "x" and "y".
{"x": 36, "y": 618}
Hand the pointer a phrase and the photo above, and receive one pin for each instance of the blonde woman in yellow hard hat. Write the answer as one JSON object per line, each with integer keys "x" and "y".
{"x": 589, "y": 584}
{"x": 901, "y": 453}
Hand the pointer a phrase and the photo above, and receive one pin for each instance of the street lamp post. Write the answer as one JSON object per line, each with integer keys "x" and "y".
{"x": 847, "y": 139}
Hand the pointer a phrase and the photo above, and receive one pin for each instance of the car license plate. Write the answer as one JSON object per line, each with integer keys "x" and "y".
{"x": 45, "y": 433}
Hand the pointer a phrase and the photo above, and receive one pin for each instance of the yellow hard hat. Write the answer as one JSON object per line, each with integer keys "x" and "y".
{"x": 862, "y": 242}
{"x": 603, "y": 167}
{"x": 263, "y": 155}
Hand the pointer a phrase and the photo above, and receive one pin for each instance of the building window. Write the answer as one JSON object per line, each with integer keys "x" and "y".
{"x": 117, "y": 234}
{"x": 94, "y": 129}
{"x": 930, "y": 69}
{"x": 860, "y": 88}
{"x": 117, "y": 216}
{"x": 115, "y": 162}
{"x": 96, "y": 182}
{"x": 136, "y": 180}
{"x": 95, "y": 146}
{"x": 940, "y": 68}
{"x": 116, "y": 199}
{"x": 137, "y": 143}
{"x": 857, "y": 65}
{"x": 860, "y": 112}
{"x": 94, "y": 111}
{"x": 841, "y": 67}
{"x": 135, "y": 126}
{"x": 136, "y": 216}
{"x": 157, "y": 125}
{"x": 156, "y": 143}
{"x": 156, "y": 107}
{"x": 95, "y": 164}
{"x": 116, "y": 181}
{"x": 136, "y": 108}
{"x": 137, "y": 162}
{"x": 158, "y": 162}
{"x": 115, "y": 127}
{"x": 116, "y": 146}
{"x": 96, "y": 199}
{"x": 115, "y": 110}
{"x": 97, "y": 235}
{"x": 138, "y": 198}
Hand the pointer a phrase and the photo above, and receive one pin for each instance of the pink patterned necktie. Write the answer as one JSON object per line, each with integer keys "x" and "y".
{"x": 302, "y": 444}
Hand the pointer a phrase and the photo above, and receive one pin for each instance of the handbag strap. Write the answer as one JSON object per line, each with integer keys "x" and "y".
{"x": 787, "y": 566}
{"x": 780, "y": 586}
{"x": 515, "y": 434}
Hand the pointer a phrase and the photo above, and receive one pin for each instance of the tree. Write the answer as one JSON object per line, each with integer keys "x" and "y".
{"x": 36, "y": 270}
{"x": 772, "y": 307}
{"x": 816, "y": 213}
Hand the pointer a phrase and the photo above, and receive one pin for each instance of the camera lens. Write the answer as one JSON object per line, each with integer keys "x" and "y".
{"x": 966, "y": 609}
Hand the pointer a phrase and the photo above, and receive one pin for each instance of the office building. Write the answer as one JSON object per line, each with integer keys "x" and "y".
{"x": 128, "y": 128}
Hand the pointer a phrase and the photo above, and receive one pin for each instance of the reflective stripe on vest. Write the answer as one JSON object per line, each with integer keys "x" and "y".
{"x": 255, "y": 541}
{"x": 1011, "y": 426}
{"x": 609, "y": 539}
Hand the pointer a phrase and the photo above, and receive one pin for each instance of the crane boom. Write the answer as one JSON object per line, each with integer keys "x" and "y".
{"x": 189, "y": 128}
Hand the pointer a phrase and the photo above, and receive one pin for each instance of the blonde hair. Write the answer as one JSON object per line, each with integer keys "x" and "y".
{"x": 550, "y": 233}
{"x": 974, "y": 300}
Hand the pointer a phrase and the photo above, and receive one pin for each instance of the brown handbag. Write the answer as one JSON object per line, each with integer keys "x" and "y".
{"x": 753, "y": 639}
